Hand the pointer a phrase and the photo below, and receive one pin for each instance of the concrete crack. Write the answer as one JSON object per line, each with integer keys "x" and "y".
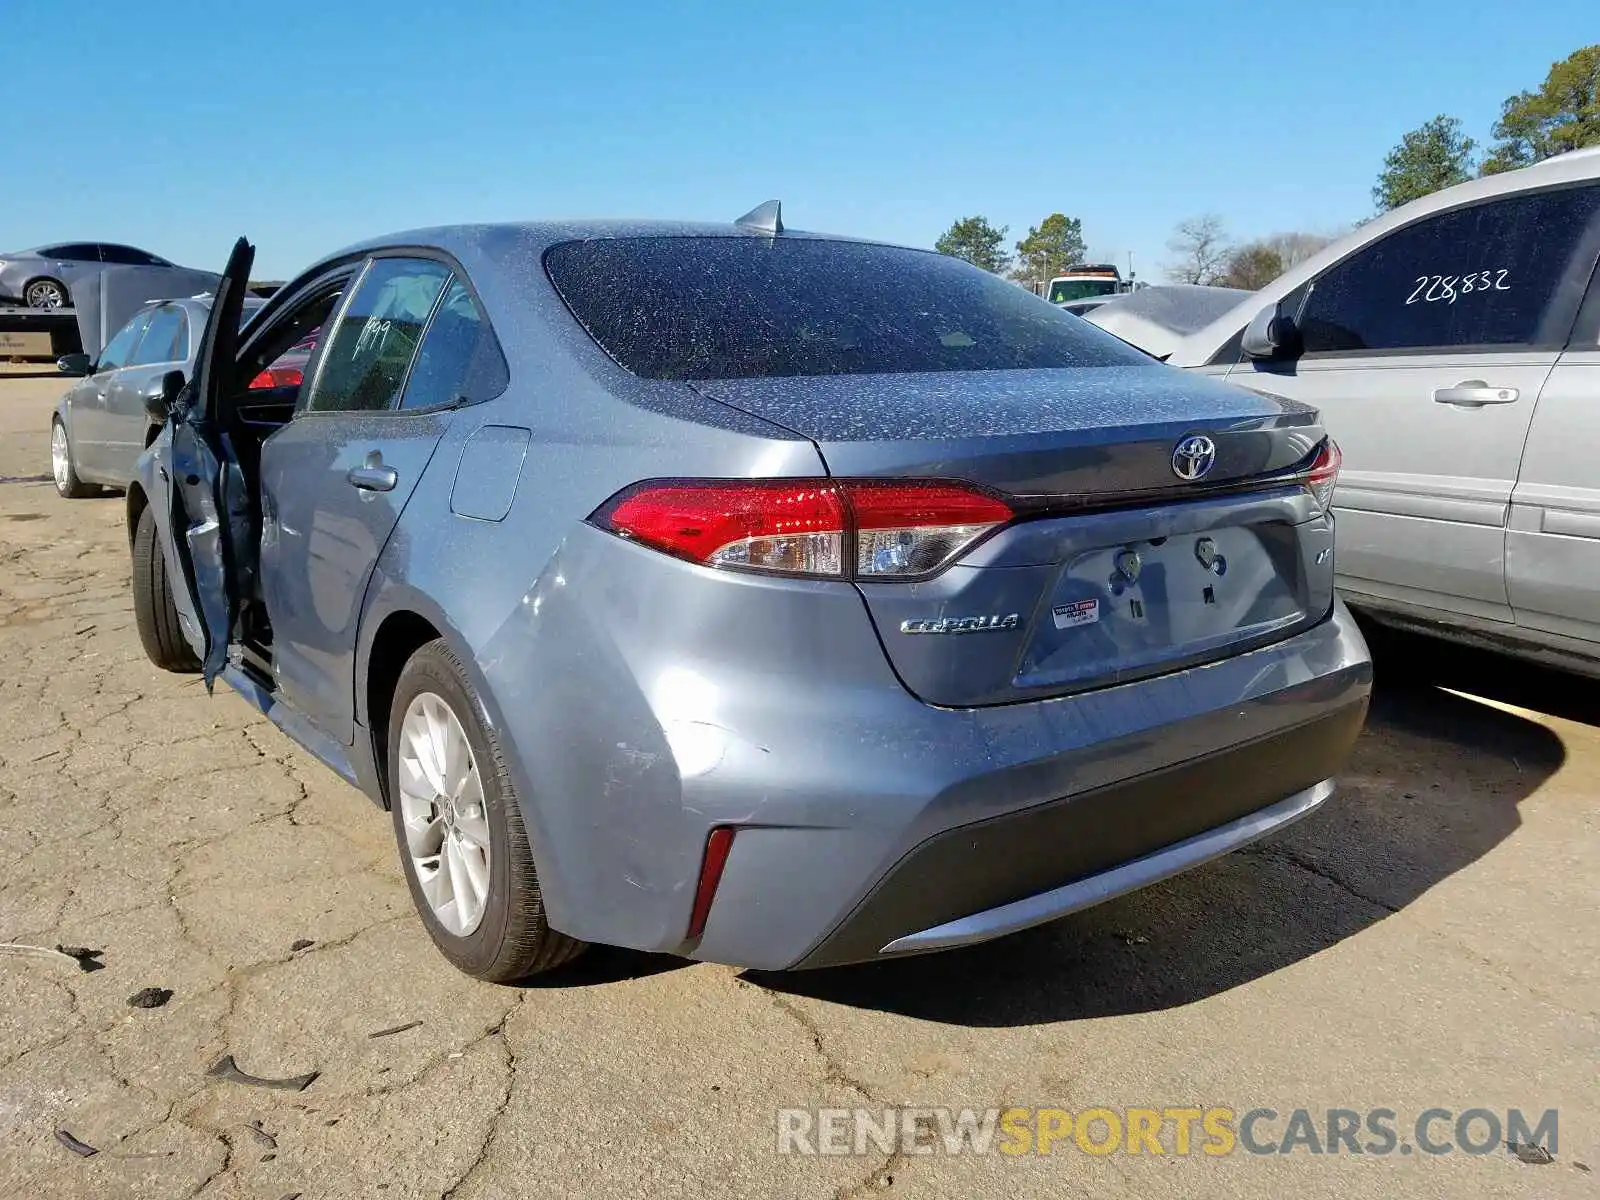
{"x": 493, "y": 1131}
{"x": 833, "y": 1071}
{"x": 1281, "y": 853}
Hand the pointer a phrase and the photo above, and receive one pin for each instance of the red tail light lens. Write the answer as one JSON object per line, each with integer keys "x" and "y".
{"x": 899, "y": 528}
{"x": 277, "y": 377}
{"x": 1325, "y": 474}
{"x": 793, "y": 525}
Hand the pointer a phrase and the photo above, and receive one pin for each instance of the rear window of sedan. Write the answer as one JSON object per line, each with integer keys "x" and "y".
{"x": 748, "y": 307}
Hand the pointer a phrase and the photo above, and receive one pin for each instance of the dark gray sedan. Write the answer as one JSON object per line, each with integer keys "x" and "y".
{"x": 746, "y": 594}
{"x": 102, "y": 422}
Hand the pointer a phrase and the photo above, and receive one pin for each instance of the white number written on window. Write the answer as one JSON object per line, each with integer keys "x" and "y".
{"x": 1431, "y": 289}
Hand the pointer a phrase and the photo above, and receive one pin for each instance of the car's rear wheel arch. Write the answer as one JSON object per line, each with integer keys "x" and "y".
{"x": 400, "y": 635}
{"x": 137, "y": 502}
{"x": 401, "y": 620}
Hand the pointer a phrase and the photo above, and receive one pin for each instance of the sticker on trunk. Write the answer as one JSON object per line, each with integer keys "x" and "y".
{"x": 1079, "y": 612}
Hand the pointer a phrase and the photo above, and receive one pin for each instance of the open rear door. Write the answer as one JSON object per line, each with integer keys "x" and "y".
{"x": 209, "y": 535}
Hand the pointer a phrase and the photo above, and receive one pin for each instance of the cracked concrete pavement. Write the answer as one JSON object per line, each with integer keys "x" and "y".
{"x": 1428, "y": 940}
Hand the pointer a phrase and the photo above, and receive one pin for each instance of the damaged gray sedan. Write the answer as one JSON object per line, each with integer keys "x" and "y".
{"x": 744, "y": 594}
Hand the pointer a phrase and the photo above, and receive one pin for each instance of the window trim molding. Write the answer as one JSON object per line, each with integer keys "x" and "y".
{"x": 351, "y": 285}
{"x": 337, "y": 319}
{"x": 460, "y": 273}
{"x": 365, "y": 261}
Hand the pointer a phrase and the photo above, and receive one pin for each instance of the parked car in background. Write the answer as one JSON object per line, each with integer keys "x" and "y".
{"x": 102, "y": 423}
{"x": 1157, "y": 318}
{"x": 750, "y": 595}
{"x": 43, "y": 277}
{"x": 1453, "y": 346}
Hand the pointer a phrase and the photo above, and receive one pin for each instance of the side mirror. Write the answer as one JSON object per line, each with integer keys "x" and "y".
{"x": 158, "y": 400}
{"x": 1269, "y": 335}
{"x": 75, "y": 364}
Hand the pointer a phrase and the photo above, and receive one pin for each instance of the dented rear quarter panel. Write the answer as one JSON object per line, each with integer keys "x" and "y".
{"x": 488, "y": 585}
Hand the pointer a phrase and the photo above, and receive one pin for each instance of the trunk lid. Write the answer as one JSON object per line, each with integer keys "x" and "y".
{"x": 1087, "y": 432}
{"x": 1117, "y": 567}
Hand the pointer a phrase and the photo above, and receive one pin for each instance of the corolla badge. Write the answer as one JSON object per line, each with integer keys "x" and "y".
{"x": 1193, "y": 457}
{"x": 984, "y": 624}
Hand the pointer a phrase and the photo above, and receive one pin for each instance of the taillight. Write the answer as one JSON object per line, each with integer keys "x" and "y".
{"x": 914, "y": 528}
{"x": 865, "y": 529}
{"x": 794, "y": 525}
{"x": 277, "y": 377}
{"x": 1324, "y": 474}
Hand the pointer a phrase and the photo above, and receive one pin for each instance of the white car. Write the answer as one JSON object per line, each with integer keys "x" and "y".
{"x": 1453, "y": 347}
{"x": 1156, "y": 319}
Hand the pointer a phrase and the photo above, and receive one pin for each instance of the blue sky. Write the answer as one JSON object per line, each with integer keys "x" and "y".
{"x": 347, "y": 118}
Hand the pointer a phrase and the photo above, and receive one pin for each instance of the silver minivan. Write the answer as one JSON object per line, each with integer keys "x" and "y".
{"x": 1453, "y": 348}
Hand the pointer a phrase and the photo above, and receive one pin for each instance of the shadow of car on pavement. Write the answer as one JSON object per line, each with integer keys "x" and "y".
{"x": 1433, "y": 785}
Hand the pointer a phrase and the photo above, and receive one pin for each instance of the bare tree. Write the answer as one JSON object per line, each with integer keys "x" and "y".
{"x": 1251, "y": 267}
{"x": 1201, "y": 246}
{"x": 1295, "y": 247}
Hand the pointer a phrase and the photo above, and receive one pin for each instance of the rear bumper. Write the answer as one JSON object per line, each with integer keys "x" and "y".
{"x": 641, "y": 715}
{"x": 1058, "y": 828}
{"x": 999, "y": 876}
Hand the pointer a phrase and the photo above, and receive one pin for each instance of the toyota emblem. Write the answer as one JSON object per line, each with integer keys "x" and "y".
{"x": 1193, "y": 458}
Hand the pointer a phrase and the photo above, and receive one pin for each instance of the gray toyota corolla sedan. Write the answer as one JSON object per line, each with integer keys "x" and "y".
{"x": 755, "y": 596}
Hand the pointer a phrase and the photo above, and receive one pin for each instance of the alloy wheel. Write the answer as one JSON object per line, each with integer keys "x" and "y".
{"x": 442, "y": 807}
{"x": 60, "y": 460}
{"x": 45, "y": 295}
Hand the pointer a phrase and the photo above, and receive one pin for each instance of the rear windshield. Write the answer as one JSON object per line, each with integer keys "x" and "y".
{"x": 747, "y": 307}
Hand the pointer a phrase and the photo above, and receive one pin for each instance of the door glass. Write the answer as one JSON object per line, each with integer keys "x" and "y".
{"x": 369, "y": 351}
{"x": 1477, "y": 276}
{"x": 460, "y": 357}
{"x": 160, "y": 341}
{"x": 126, "y": 255}
{"x": 118, "y": 349}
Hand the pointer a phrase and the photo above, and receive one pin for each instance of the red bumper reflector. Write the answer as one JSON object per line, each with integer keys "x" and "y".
{"x": 718, "y": 842}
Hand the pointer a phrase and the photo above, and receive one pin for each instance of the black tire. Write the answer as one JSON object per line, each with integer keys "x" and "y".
{"x": 36, "y": 289}
{"x": 153, "y": 609}
{"x": 70, "y": 488}
{"x": 513, "y": 939}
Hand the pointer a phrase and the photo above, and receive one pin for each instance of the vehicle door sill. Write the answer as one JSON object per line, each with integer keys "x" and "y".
{"x": 324, "y": 748}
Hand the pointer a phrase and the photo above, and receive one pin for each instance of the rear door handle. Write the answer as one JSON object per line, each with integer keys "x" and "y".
{"x": 373, "y": 479}
{"x": 373, "y": 476}
{"x": 1475, "y": 393}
